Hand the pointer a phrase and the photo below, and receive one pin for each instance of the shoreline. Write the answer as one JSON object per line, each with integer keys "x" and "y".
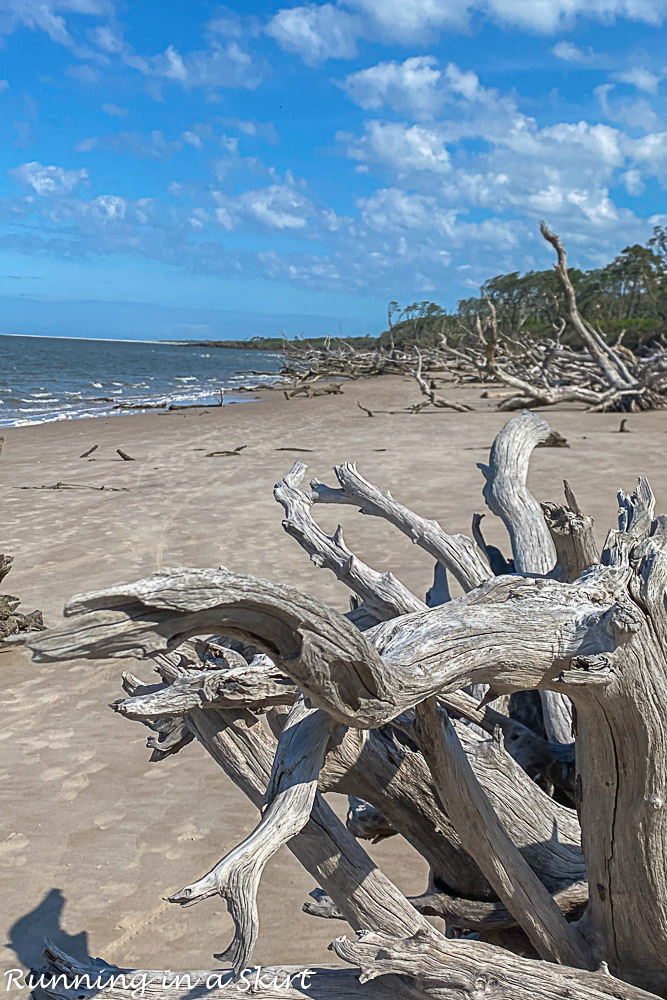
{"x": 121, "y": 410}
{"x": 86, "y": 852}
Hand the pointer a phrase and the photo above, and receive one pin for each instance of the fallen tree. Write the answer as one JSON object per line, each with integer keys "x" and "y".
{"x": 540, "y": 900}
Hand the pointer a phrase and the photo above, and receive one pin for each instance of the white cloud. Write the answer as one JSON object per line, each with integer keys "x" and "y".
{"x": 390, "y": 209}
{"x": 108, "y": 39}
{"x": 636, "y": 113}
{"x": 4, "y": 85}
{"x": 569, "y": 52}
{"x": 324, "y": 31}
{"x": 633, "y": 183}
{"x": 412, "y": 19}
{"x": 412, "y": 85}
{"x": 48, "y": 180}
{"x": 316, "y": 32}
{"x": 48, "y": 16}
{"x": 402, "y": 147}
{"x": 223, "y": 63}
{"x": 115, "y": 111}
{"x": 641, "y": 78}
{"x": 153, "y": 146}
{"x": 280, "y": 206}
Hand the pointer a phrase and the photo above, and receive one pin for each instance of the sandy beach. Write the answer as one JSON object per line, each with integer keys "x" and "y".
{"x": 92, "y": 837}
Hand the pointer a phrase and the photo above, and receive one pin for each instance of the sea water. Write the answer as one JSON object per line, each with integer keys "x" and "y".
{"x": 57, "y": 378}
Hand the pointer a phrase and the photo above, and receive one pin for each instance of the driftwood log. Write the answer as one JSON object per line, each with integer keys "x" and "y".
{"x": 541, "y": 900}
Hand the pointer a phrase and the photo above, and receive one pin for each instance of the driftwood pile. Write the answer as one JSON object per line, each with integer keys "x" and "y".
{"x": 575, "y": 365}
{"x": 390, "y": 704}
{"x": 541, "y": 373}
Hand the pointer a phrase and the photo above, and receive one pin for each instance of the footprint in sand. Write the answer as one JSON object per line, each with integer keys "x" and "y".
{"x": 106, "y": 819}
{"x": 11, "y": 849}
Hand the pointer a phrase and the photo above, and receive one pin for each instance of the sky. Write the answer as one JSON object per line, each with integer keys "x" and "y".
{"x": 195, "y": 170}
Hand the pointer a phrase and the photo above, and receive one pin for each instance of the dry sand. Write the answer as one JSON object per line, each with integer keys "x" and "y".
{"x": 92, "y": 837}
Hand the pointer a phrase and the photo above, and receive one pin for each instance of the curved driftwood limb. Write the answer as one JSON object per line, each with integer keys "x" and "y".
{"x": 467, "y": 970}
{"x": 290, "y": 796}
{"x": 367, "y": 898}
{"x": 572, "y": 534}
{"x": 612, "y": 367}
{"x": 507, "y": 495}
{"x": 428, "y": 390}
{"x": 457, "y": 553}
{"x": 382, "y": 594}
{"x": 512, "y": 633}
{"x": 486, "y": 839}
{"x": 306, "y": 639}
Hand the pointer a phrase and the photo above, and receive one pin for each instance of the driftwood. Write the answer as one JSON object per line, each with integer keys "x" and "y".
{"x": 540, "y": 900}
{"x": 543, "y": 373}
{"x": 12, "y": 621}
{"x": 78, "y": 486}
{"x": 574, "y": 365}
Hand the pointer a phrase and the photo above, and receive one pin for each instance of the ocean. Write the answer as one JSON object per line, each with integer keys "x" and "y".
{"x": 53, "y": 378}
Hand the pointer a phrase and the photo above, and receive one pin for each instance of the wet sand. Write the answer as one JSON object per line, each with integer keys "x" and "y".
{"x": 92, "y": 837}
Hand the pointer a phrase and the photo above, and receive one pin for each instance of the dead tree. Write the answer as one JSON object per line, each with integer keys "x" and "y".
{"x": 603, "y": 377}
{"x": 540, "y": 900}
{"x": 541, "y": 372}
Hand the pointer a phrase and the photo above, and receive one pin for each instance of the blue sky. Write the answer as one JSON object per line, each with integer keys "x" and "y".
{"x": 229, "y": 170}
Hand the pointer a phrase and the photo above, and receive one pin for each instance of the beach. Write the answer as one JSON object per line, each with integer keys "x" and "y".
{"x": 92, "y": 836}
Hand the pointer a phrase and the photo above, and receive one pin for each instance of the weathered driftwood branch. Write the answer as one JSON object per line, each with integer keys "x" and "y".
{"x": 428, "y": 390}
{"x": 507, "y": 495}
{"x": 290, "y": 797}
{"x": 461, "y": 557}
{"x": 475, "y": 818}
{"x": 453, "y": 969}
{"x": 65, "y": 978}
{"x": 382, "y": 594}
{"x": 572, "y": 534}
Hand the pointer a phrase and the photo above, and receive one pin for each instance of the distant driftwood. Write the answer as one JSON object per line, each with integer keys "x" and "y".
{"x": 534, "y": 373}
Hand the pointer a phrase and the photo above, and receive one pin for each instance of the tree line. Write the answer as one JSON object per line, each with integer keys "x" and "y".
{"x": 626, "y": 299}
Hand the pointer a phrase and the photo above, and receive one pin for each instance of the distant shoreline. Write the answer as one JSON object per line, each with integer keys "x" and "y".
{"x": 278, "y": 344}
